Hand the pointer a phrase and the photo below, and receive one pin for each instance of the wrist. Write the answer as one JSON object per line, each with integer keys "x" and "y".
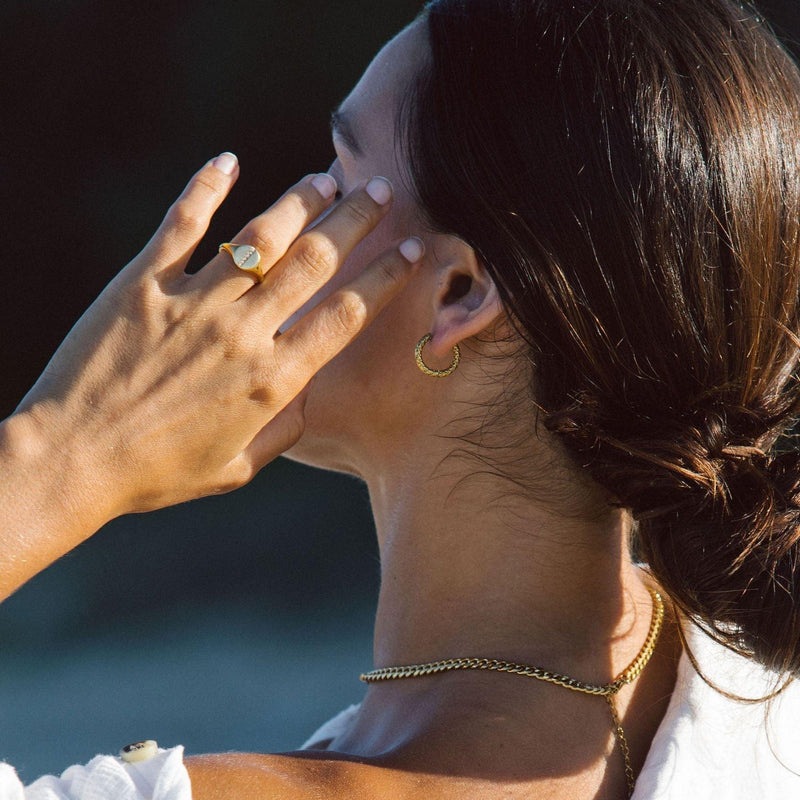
{"x": 48, "y": 504}
{"x": 57, "y": 472}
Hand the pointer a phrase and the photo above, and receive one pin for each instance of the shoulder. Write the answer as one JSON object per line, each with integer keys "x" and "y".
{"x": 305, "y": 775}
{"x": 310, "y": 775}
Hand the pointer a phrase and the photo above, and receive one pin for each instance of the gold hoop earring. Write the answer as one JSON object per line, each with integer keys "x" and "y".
{"x": 435, "y": 373}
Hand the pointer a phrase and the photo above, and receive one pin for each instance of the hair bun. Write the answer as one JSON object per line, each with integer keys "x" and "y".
{"x": 717, "y": 519}
{"x": 731, "y": 562}
{"x": 676, "y": 466}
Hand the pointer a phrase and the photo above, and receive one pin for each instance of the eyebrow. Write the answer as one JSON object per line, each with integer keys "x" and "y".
{"x": 341, "y": 125}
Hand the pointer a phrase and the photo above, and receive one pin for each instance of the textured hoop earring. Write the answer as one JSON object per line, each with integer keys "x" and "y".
{"x": 435, "y": 373}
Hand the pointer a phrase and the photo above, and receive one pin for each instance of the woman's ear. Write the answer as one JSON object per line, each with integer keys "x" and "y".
{"x": 466, "y": 303}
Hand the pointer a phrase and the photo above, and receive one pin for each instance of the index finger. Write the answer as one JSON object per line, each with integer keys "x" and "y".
{"x": 188, "y": 218}
{"x": 329, "y": 327}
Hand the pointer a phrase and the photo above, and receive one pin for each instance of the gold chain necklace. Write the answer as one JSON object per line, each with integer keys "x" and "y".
{"x": 609, "y": 690}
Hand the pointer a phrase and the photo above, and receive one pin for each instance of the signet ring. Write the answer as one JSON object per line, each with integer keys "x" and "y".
{"x": 245, "y": 257}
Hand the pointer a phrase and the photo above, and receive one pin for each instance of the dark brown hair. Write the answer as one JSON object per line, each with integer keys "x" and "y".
{"x": 629, "y": 173}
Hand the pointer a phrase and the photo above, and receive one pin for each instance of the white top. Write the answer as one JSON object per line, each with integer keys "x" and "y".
{"x": 162, "y": 777}
{"x": 707, "y": 747}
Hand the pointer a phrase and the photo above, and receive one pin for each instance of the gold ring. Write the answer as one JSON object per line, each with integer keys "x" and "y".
{"x": 245, "y": 257}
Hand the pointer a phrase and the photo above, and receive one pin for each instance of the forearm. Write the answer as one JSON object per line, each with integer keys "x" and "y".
{"x": 48, "y": 503}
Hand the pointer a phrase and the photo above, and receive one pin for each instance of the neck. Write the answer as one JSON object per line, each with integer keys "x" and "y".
{"x": 468, "y": 570}
{"x": 473, "y": 569}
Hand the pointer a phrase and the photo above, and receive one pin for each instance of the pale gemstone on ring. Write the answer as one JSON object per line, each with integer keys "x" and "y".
{"x": 246, "y": 256}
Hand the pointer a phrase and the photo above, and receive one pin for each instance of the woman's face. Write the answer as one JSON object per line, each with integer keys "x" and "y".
{"x": 367, "y": 398}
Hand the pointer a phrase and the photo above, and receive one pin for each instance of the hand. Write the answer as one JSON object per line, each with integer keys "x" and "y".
{"x": 174, "y": 386}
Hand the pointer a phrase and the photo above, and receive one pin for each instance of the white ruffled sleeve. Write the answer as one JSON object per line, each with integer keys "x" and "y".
{"x": 162, "y": 777}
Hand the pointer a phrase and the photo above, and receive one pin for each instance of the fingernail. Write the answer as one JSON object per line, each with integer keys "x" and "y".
{"x": 325, "y": 184}
{"x": 226, "y": 162}
{"x": 380, "y": 190}
{"x": 412, "y": 249}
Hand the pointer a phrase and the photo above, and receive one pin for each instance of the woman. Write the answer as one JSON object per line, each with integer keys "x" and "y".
{"x": 609, "y": 197}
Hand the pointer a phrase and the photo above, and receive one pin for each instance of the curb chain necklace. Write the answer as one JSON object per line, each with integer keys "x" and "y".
{"x": 608, "y": 690}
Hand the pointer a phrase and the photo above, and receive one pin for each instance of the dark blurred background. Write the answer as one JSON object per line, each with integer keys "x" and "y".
{"x": 234, "y": 622}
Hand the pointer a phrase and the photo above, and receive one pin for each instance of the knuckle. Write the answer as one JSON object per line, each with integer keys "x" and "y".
{"x": 263, "y": 380}
{"x": 213, "y": 331}
{"x": 204, "y": 180}
{"x": 225, "y": 334}
{"x": 145, "y": 295}
{"x": 236, "y": 344}
{"x": 234, "y": 479}
{"x": 301, "y": 202}
{"x": 316, "y": 253}
{"x": 348, "y": 312}
{"x": 174, "y": 313}
{"x": 260, "y": 394}
{"x": 391, "y": 271}
{"x": 358, "y": 213}
{"x": 241, "y": 472}
{"x": 264, "y": 241}
{"x": 185, "y": 217}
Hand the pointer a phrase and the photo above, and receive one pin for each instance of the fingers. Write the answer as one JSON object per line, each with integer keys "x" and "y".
{"x": 313, "y": 340}
{"x": 317, "y": 254}
{"x": 271, "y": 233}
{"x": 188, "y": 217}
